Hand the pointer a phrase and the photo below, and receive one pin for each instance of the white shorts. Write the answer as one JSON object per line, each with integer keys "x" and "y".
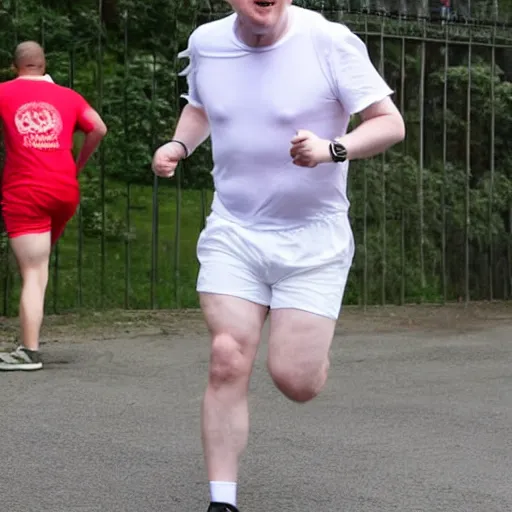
{"x": 304, "y": 268}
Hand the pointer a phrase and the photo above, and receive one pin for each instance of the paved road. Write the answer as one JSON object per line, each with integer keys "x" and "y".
{"x": 410, "y": 421}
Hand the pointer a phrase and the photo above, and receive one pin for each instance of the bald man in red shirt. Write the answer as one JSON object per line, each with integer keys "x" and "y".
{"x": 40, "y": 189}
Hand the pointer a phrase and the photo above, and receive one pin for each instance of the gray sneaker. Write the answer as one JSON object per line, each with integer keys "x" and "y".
{"x": 20, "y": 359}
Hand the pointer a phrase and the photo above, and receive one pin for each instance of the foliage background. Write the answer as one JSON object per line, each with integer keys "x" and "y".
{"x": 432, "y": 218}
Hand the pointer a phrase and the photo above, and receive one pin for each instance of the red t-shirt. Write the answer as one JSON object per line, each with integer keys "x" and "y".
{"x": 39, "y": 119}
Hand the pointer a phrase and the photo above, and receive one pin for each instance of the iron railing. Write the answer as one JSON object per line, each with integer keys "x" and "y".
{"x": 432, "y": 218}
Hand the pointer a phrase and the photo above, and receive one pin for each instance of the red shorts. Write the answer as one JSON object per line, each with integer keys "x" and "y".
{"x": 30, "y": 209}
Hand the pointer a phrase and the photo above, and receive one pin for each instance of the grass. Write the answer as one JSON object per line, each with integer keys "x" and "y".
{"x": 152, "y": 263}
{"x": 132, "y": 275}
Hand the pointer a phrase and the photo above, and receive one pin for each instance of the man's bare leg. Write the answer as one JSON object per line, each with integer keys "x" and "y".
{"x": 298, "y": 352}
{"x": 235, "y": 326}
{"x": 32, "y": 254}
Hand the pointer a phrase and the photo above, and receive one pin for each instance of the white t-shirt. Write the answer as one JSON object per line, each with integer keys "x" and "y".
{"x": 256, "y": 99}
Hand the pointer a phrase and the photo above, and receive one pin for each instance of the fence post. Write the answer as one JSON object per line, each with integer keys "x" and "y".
{"x": 445, "y": 161}
{"x": 365, "y": 209}
{"x": 127, "y": 238}
{"x": 154, "y": 222}
{"x": 402, "y": 178}
{"x": 422, "y": 160}
{"x": 492, "y": 165}
{"x": 383, "y": 182}
{"x": 177, "y": 178}
{"x": 467, "y": 203}
{"x": 101, "y": 154}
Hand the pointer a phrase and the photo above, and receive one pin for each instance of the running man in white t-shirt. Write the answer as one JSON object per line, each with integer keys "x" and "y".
{"x": 274, "y": 86}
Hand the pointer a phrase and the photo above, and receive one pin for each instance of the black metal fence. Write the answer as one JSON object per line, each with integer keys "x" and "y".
{"x": 432, "y": 218}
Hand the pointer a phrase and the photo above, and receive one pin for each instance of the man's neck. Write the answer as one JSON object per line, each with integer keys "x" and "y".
{"x": 31, "y": 76}
{"x": 260, "y": 40}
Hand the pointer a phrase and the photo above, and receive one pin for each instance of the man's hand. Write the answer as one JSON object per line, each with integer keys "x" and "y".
{"x": 309, "y": 150}
{"x": 166, "y": 159}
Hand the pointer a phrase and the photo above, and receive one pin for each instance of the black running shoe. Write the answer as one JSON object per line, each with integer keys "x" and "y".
{"x": 221, "y": 507}
{"x": 20, "y": 359}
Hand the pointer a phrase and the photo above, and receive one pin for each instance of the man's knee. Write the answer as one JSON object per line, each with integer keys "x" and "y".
{"x": 298, "y": 383}
{"x": 228, "y": 363}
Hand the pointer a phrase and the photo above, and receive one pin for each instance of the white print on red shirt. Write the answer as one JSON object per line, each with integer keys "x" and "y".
{"x": 40, "y": 125}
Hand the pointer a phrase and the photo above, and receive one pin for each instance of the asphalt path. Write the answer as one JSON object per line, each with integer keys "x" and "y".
{"x": 413, "y": 420}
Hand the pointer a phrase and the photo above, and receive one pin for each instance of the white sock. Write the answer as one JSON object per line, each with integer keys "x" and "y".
{"x": 223, "y": 492}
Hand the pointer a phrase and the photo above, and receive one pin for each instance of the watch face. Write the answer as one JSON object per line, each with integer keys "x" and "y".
{"x": 339, "y": 153}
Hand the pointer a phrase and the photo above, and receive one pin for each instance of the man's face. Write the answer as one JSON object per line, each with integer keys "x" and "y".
{"x": 261, "y": 16}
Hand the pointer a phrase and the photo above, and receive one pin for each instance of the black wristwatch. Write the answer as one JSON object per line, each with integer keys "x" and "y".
{"x": 338, "y": 151}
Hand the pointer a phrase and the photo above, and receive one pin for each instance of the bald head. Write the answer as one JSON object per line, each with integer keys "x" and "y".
{"x": 29, "y": 58}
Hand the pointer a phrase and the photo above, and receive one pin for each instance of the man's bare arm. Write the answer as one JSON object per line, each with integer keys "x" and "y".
{"x": 192, "y": 130}
{"x": 92, "y": 139}
{"x": 382, "y": 126}
{"x": 193, "y": 127}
